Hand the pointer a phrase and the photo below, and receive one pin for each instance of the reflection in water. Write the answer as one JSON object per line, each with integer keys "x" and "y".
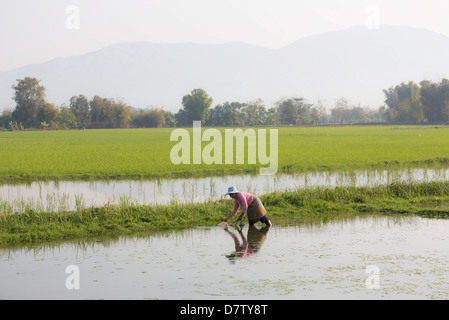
{"x": 303, "y": 259}
{"x": 248, "y": 245}
{"x": 76, "y": 195}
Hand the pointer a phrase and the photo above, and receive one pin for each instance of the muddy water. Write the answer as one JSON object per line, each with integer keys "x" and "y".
{"x": 348, "y": 258}
{"x": 72, "y": 195}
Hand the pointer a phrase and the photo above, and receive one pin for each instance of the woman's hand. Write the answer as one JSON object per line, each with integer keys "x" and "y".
{"x": 223, "y": 222}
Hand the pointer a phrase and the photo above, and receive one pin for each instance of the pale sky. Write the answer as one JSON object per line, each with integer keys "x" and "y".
{"x": 35, "y": 31}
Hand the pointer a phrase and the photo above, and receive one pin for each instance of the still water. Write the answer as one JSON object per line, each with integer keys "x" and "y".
{"x": 73, "y": 195}
{"x": 365, "y": 257}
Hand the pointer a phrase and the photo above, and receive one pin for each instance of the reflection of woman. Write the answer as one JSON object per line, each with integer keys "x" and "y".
{"x": 251, "y": 205}
{"x": 249, "y": 245}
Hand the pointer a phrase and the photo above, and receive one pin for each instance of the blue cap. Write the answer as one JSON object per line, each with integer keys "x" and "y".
{"x": 231, "y": 190}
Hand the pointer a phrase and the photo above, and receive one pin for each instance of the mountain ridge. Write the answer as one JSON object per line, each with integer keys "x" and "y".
{"x": 355, "y": 63}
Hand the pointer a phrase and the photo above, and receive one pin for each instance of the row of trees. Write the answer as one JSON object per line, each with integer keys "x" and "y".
{"x": 33, "y": 111}
{"x": 405, "y": 103}
{"x": 289, "y": 111}
{"x": 418, "y": 103}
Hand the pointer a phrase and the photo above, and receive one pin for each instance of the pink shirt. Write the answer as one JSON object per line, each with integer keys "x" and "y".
{"x": 243, "y": 199}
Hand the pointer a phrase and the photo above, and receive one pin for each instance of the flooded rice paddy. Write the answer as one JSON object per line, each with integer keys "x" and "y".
{"x": 365, "y": 257}
{"x": 75, "y": 195}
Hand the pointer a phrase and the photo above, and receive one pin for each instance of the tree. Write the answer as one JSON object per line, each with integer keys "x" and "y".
{"x": 152, "y": 118}
{"x": 271, "y": 116}
{"x": 118, "y": 115}
{"x": 294, "y": 111}
{"x": 195, "y": 107}
{"x": 107, "y": 113}
{"x": 254, "y": 112}
{"x": 14, "y": 126}
{"x": 98, "y": 110}
{"x": 342, "y": 112}
{"x": 226, "y": 114}
{"x": 47, "y": 113}
{"x": 288, "y": 111}
{"x": 338, "y": 115}
{"x": 358, "y": 114}
{"x": 44, "y": 125}
{"x": 321, "y": 110}
{"x": 314, "y": 115}
{"x": 435, "y": 100}
{"x": 170, "y": 120}
{"x": 380, "y": 115}
{"x": 29, "y": 96}
{"x": 404, "y": 103}
{"x": 79, "y": 105}
{"x": 65, "y": 119}
{"x": 5, "y": 118}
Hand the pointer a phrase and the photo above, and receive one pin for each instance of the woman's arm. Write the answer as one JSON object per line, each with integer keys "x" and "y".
{"x": 244, "y": 203}
{"x": 236, "y": 208}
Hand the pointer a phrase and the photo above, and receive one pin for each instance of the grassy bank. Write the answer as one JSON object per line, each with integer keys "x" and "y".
{"x": 145, "y": 153}
{"x": 423, "y": 199}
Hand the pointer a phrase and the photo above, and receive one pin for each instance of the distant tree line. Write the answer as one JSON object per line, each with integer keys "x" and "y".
{"x": 426, "y": 102}
{"x": 291, "y": 111}
{"x": 404, "y": 103}
{"x": 33, "y": 112}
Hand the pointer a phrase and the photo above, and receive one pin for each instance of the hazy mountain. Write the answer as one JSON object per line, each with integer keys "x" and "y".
{"x": 356, "y": 63}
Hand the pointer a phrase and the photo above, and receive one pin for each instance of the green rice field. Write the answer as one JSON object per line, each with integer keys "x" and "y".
{"x": 145, "y": 153}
